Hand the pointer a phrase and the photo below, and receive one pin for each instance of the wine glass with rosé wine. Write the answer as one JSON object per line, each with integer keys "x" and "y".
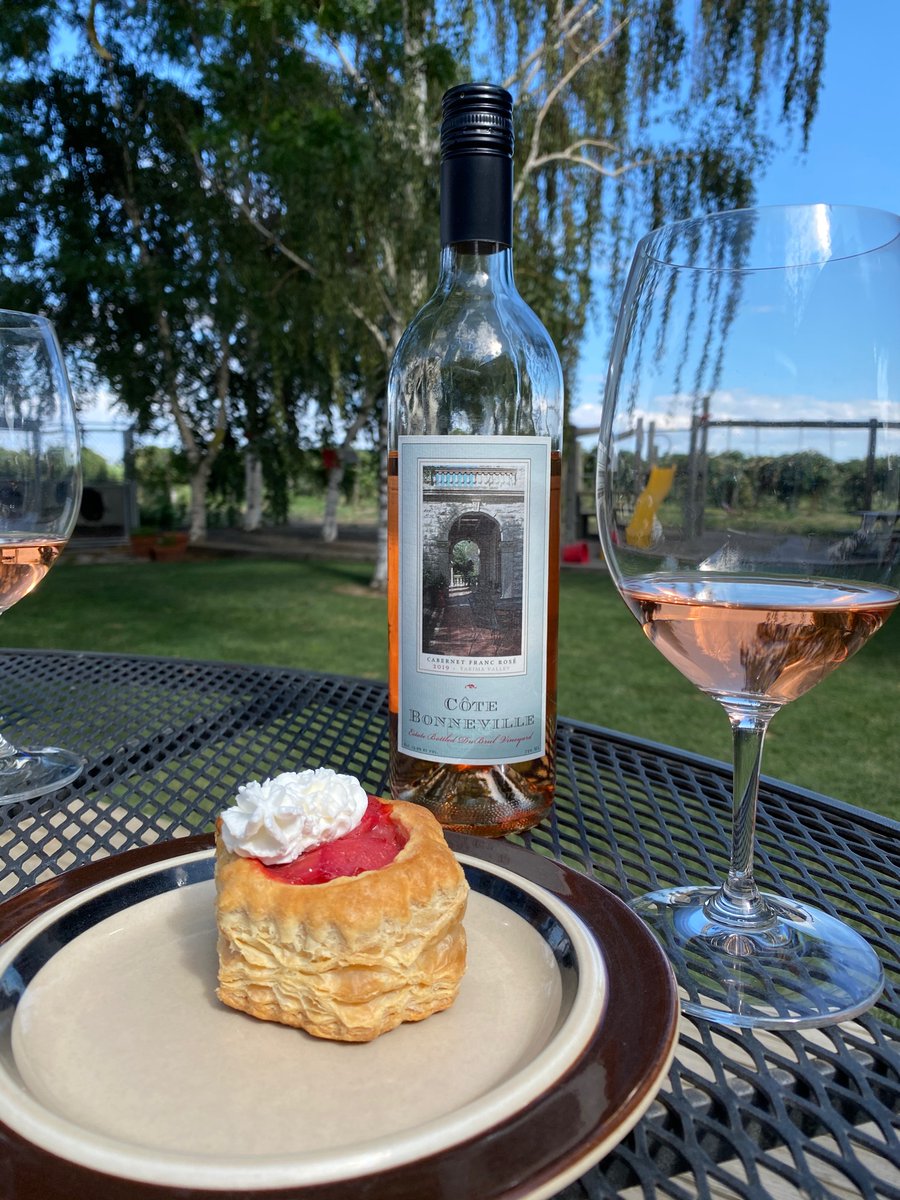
{"x": 40, "y": 494}
{"x": 748, "y": 498}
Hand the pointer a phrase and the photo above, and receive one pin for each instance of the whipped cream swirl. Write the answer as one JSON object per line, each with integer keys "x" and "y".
{"x": 278, "y": 820}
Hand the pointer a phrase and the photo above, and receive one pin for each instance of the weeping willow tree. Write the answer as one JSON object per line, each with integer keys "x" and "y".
{"x": 631, "y": 114}
{"x": 313, "y": 128}
{"x": 627, "y": 114}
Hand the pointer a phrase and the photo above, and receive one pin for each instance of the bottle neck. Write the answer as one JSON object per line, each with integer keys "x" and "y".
{"x": 476, "y": 199}
{"x": 481, "y": 267}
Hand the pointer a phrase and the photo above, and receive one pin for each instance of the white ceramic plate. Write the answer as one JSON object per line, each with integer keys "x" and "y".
{"x": 116, "y": 1057}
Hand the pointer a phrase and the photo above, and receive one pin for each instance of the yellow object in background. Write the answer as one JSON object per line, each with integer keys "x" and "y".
{"x": 639, "y": 531}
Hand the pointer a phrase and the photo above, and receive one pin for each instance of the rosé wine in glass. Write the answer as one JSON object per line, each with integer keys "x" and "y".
{"x": 40, "y": 495}
{"x": 748, "y": 502}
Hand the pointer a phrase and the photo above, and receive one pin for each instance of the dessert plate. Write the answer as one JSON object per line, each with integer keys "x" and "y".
{"x": 121, "y": 1075}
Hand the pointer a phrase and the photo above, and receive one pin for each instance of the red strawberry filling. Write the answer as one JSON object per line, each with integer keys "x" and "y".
{"x": 375, "y": 842}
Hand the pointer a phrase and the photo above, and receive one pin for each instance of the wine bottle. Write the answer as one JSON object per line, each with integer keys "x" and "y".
{"x": 475, "y": 400}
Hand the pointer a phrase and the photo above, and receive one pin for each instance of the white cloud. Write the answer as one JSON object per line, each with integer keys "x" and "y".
{"x": 100, "y": 407}
{"x": 671, "y": 414}
{"x": 586, "y": 416}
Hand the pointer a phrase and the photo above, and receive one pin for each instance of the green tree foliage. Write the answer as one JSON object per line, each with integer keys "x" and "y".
{"x": 838, "y": 490}
{"x": 231, "y": 207}
{"x": 109, "y": 222}
{"x": 112, "y": 232}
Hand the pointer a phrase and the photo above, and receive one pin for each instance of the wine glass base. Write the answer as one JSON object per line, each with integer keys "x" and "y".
{"x": 804, "y": 968}
{"x": 27, "y": 774}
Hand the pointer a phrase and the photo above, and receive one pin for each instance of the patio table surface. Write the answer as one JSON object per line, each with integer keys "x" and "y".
{"x": 810, "y": 1114}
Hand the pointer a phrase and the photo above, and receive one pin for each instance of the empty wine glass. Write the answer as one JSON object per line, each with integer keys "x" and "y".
{"x": 748, "y": 497}
{"x": 40, "y": 492}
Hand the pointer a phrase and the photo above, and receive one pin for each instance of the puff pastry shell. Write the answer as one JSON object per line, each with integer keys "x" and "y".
{"x": 351, "y": 958}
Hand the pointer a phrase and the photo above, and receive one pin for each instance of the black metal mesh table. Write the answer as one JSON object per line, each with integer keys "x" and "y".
{"x": 811, "y": 1114}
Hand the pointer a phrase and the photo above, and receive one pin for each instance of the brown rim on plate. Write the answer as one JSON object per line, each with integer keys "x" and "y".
{"x": 530, "y": 1154}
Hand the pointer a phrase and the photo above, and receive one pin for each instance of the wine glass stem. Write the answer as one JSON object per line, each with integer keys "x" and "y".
{"x": 7, "y": 749}
{"x": 738, "y": 901}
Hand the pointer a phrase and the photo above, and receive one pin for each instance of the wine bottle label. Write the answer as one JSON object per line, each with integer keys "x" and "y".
{"x": 473, "y": 572}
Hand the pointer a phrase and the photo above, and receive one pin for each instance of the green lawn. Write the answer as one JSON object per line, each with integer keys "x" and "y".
{"x": 841, "y": 739}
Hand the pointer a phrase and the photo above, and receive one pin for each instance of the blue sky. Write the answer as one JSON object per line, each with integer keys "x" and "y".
{"x": 854, "y": 146}
{"x": 853, "y": 155}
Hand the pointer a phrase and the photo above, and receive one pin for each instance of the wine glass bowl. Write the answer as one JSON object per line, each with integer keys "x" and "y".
{"x": 748, "y": 499}
{"x": 40, "y": 492}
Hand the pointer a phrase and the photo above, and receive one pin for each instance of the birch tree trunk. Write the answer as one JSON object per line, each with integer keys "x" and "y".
{"x": 380, "y": 574}
{"x": 199, "y": 483}
{"x": 378, "y": 581}
{"x": 253, "y": 490}
{"x": 200, "y": 455}
{"x": 332, "y": 499}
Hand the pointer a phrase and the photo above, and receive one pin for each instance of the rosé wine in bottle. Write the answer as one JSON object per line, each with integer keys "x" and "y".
{"x": 475, "y": 420}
